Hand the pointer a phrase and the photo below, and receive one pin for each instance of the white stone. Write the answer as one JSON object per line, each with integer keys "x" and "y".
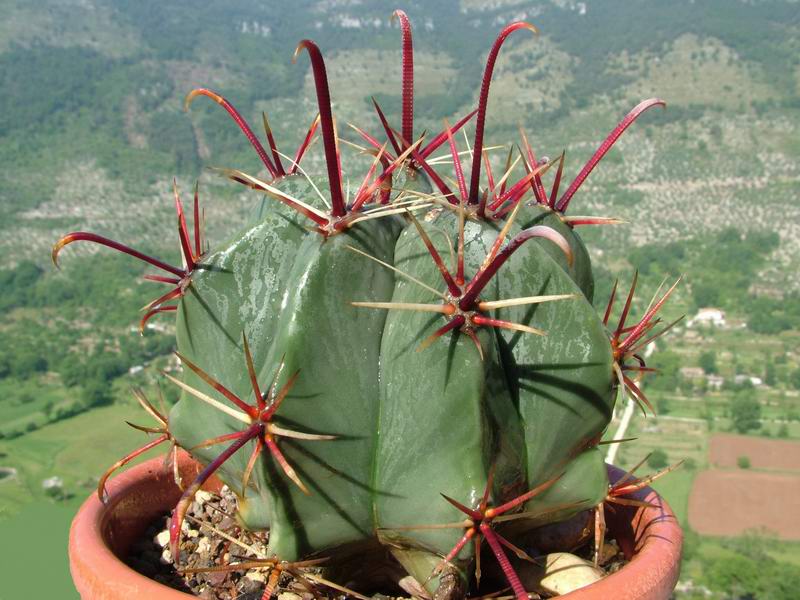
{"x": 162, "y": 539}
{"x": 566, "y": 572}
{"x": 257, "y": 576}
{"x": 202, "y": 496}
{"x": 204, "y": 545}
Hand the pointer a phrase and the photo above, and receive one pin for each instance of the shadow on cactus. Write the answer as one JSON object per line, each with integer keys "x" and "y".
{"x": 371, "y": 416}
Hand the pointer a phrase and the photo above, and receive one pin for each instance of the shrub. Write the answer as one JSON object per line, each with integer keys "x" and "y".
{"x": 657, "y": 459}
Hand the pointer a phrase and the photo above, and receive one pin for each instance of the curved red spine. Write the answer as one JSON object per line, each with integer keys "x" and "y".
{"x": 612, "y": 138}
{"x": 477, "y": 147}
{"x": 104, "y": 241}
{"x": 326, "y": 120}
{"x": 240, "y": 121}
{"x": 183, "y": 504}
{"x": 484, "y": 276}
{"x": 408, "y": 74}
{"x": 511, "y": 576}
{"x": 441, "y": 137}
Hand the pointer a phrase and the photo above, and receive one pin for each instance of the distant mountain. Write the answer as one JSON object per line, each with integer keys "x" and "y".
{"x": 92, "y": 128}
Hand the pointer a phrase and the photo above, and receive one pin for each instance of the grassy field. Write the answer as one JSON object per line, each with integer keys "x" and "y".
{"x": 78, "y": 450}
{"x": 33, "y": 557}
{"x": 30, "y": 397}
{"x": 676, "y": 488}
{"x": 704, "y": 549}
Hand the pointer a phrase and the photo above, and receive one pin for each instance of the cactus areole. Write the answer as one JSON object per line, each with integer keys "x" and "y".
{"x": 410, "y": 358}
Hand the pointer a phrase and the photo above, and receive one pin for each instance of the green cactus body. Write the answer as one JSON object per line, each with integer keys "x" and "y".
{"x": 430, "y": 384}
{"x": 239, "y": 289}
{"x": 441, "y": 429}
{"x": 582, "y": 485}
{"x": 288, "y": 290}
{"x": 336, "y": 348}
{"x": 530, "y": 406}
{"x": 581, "y": 268}
{"x": 563, "y": 382}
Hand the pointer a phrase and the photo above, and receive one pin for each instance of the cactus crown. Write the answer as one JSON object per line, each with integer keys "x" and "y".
{"x": 405, "y": 371}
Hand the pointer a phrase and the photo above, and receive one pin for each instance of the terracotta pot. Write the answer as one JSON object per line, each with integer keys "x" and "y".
{"x": 650, "y": 537}
{"x": 102, "y": 533}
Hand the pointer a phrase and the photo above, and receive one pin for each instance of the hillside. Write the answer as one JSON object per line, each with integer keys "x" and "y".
{"x": 92, "y": 125}
{"x": 93, "y": 131}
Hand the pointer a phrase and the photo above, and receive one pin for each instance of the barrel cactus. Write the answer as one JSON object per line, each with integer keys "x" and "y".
{"x": 415, "y": 364}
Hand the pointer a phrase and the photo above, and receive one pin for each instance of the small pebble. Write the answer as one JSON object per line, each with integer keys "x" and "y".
{"x": 162, "y": 539}
{"x": 566, "y": 572}
{"x": 256, "y": 576}
{"x": 203, "y": 546}
{"x": 216, "y": 579}
{"x": 610, "y": 552}
{"x": 248, "y": 586}
{"x": 203, "y": 496}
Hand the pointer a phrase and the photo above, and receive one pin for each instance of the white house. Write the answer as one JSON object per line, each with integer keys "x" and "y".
{"x": 708, "y": 316}
{"x": 52, "y": 483}
{"x": 692, "y": 373}
{"x": 755, "y": 381}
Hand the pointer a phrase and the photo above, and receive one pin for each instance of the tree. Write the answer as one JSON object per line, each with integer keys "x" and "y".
{"x": 794, "y": 379}
{"x": 668, "y": 365}
{"x": 96, "y": 393}
{"x": 735, "y": 575}
{"x": 657, "y": 459}
{"x": 708, "y": 362}
{"x": 47, "y": 409}
{"x": 769, "y": 372}
{"x": 25, "y": 397}
{"x": 705, "y": 294}
{"x": 743, "y": 462}
{"x": 745, "y": 412}
{"x": 72, "y": 369}
{"x": 27, "y": 361}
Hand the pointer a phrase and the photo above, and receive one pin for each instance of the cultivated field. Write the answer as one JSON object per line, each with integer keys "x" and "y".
{"x": 727, "y": 500}
{"x": 731, "y": 502}
{"x": 775, "y": 455}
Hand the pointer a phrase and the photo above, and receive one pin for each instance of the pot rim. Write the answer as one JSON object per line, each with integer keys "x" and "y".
{"x": 100, "y": 532}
